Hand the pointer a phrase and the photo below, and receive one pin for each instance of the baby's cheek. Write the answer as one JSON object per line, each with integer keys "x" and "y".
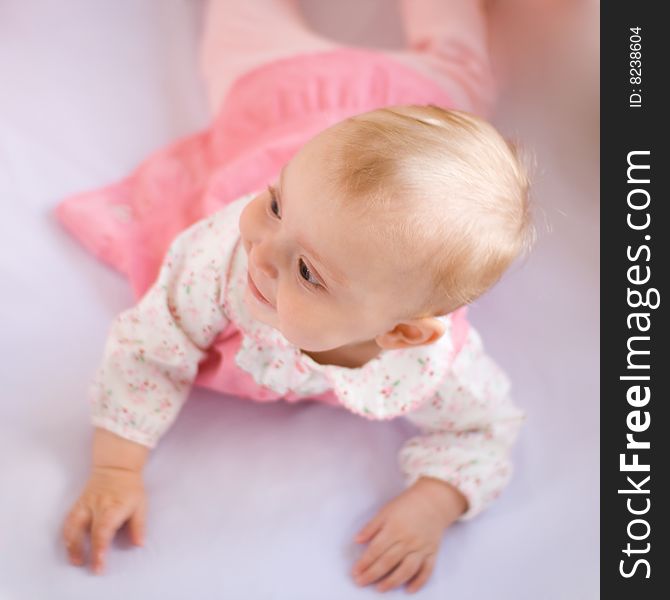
{"x": 309, "y": 328}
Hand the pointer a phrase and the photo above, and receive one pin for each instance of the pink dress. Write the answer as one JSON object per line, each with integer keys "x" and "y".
{"x": 172, "y": 228}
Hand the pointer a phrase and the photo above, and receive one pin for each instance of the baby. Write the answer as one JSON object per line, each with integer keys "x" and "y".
{"x": 348, "y": 279}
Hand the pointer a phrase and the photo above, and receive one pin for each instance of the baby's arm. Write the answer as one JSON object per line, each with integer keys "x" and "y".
{"x": 150, "y": 361}
{"x": 456, "y": 466}
{"x": 467, "y": 430}
{"x": 153, "y": 349}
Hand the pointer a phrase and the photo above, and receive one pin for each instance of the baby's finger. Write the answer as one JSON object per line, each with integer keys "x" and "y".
{"x": 409, "y": 566}
{"x": 377, "y": 546}
{"x": 75, "y": 527}
{"x": 370, "y": 529}
{"x": 105, "y": 525}
{"x": 137, "y": 525}
{"x": 416, "y": 583}
{"x": 383, "y": 565}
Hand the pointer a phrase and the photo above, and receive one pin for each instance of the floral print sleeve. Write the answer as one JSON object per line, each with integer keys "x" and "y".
{"x": 467, "y": 429}
{"x": 153, "y": 349}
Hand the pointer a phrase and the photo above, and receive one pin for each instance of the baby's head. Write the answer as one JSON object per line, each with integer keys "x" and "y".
{"x": 381, "y": 223}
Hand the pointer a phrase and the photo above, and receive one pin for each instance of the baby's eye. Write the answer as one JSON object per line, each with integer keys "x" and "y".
{"x": 306, "y": 274}
{"x": 274, "y": 205}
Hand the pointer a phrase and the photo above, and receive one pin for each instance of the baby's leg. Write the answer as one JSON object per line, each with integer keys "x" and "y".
{"x": 448, "y": 41}
{"x": 241, "y": 35}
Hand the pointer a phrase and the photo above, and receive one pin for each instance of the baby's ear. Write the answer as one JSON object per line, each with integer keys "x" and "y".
{"x": 416, "y": 332}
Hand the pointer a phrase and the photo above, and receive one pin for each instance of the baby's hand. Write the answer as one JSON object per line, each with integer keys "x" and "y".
{"x": 111, "y": 496}
{"x": 406, "y": 533}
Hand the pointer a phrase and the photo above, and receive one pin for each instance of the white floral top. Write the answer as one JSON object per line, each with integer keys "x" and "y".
{"x": 460, "y": 404}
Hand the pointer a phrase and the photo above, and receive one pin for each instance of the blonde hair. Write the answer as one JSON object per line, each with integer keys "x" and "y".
{"x": 442, "y": 183}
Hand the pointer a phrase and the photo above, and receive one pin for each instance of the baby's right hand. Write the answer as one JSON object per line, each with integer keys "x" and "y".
{"x": 111, "y": 497}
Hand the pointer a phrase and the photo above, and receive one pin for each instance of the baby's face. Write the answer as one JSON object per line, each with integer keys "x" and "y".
{"x": 327, "y": 282}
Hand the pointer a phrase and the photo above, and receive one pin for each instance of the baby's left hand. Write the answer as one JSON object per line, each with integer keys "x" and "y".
{"x": 406, "y": 533}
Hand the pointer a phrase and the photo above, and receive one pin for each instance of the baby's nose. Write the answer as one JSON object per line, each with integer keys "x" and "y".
{"x": 263, "y": 259}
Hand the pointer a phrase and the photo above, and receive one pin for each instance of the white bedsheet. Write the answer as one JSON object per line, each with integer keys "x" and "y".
{"x": 250, "y": 501}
